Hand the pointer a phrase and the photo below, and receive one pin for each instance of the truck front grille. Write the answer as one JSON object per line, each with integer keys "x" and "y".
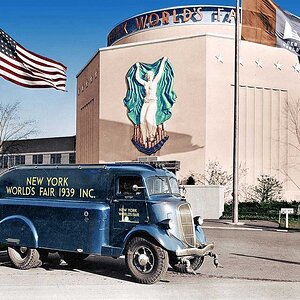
{"x": 187, "y": 225}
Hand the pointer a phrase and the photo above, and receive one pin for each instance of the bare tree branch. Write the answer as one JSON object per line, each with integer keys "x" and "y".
{"x": 13, "y": 128}
{"x": 290, "y": 178}
{"x": 292, "y": 113}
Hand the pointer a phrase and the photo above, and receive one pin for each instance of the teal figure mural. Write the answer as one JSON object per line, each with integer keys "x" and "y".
{"x": 149, "y": 100}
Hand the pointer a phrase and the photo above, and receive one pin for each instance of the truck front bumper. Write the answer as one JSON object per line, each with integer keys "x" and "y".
{"x": 195, "y": 251}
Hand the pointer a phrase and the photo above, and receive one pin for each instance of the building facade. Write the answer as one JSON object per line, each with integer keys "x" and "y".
{"x": 198, "y": 43}
{"x": 59, "y": 150}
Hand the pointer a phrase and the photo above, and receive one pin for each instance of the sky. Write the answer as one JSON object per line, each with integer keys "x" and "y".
{"x": 71, "y": 32}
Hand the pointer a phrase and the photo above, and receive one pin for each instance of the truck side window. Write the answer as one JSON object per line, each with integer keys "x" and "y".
{"x": 125, "y": 184}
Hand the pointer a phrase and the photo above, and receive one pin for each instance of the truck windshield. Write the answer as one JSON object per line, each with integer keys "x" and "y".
{"x": 162, "y": 185}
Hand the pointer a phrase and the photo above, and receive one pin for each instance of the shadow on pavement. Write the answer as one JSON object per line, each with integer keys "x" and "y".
{"x": 104, "y": 266}
{"x": 268, "y": 258}
{"x": 4, "y": 260}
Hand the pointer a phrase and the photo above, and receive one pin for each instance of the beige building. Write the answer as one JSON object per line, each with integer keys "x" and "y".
{"x": 201, "y": 51}
{"x": 54, "y": 151}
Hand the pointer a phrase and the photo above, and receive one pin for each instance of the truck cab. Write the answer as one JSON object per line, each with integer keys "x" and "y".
{"x": 134, "y": 210}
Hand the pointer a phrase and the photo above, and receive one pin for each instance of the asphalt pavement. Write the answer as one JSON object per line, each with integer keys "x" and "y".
{"x": 258, "y": 262}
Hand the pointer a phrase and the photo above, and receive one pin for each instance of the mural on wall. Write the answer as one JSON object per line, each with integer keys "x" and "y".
{"x": 149, "y": 100}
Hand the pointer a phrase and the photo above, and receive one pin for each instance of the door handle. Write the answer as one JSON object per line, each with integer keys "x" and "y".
{"x": 115, "y": 200}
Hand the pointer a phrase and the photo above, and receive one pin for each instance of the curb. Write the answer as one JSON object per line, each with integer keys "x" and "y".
{"x": 249, "y": 229}
{"x": 231, "y": 228}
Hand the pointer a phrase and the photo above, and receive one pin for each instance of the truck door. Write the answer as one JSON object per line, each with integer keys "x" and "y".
{"x": 128, "y": 207}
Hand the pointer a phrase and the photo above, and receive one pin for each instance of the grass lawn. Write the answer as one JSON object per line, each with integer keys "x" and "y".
{"x": 293, "y": 224}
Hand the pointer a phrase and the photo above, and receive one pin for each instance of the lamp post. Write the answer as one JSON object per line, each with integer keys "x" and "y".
{"x": 235, "y": 200}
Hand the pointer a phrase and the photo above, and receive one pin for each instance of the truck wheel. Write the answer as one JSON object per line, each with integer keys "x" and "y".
{"x": 146, "y": 261}
{"x": 74, "y": 259}
{"x": 196, "y": 263}
{"x": 24, "y": 258}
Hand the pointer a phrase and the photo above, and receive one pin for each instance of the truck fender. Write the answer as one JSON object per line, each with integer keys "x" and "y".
{"x": 18, "y": 230}
{"x": 161, "y": 236}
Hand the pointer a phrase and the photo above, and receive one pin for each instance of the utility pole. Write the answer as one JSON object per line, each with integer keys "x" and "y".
{"x": 235, "y": 200}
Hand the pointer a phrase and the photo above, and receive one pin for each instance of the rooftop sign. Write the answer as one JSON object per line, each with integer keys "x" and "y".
{"x": 172, "y": 17}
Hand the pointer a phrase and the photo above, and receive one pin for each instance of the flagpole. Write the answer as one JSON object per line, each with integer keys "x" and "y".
{"x": 235, "y": 187}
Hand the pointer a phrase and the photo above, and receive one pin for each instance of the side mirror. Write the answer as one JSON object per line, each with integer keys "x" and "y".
{"x": 135, "y": 187}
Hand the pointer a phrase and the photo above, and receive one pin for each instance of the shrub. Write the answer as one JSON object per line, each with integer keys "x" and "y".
{"x": 190, "y": 180}
{"x": 261, "y": 211}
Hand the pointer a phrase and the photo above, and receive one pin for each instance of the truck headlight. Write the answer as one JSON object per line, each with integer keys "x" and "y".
{"x": 198, "y": 220}
{"x": 166, "y": 224}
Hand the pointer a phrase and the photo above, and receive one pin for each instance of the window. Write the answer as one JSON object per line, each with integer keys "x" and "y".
{"x": 11, "y": 161}
{"x": 125, "y": 187}
{"x": 37, "y": 159}
{"x": 55, "y": 159}
{"x": 19, "y": 160}
{"x": 162, "y": 185}
{"x": 72, "y": 158}
{"x": 4, "y": 161}
{"x": 7, "y": 161}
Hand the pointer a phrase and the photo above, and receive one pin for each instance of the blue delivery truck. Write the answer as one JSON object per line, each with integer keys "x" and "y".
{"x": 111, "y": 210}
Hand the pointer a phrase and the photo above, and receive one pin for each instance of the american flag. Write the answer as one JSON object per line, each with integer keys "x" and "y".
{"x": 29, "y": 69}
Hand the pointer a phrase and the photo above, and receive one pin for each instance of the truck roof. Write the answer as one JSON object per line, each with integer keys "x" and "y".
{"x": 86, "y": 182}
{"x": 134, "y": 166}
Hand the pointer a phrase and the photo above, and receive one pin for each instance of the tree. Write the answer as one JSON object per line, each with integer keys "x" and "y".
{"x": 214, "y": 174}
{"x": 13, "y": 128}
{"x": 268, "y": 189}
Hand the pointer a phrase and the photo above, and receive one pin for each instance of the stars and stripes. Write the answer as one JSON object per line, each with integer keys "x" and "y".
{"x": 29, "y": 69}
{"x": 290, "y": 33}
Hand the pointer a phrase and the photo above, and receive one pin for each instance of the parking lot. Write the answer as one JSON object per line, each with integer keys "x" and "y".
{"x": 258, "y": 263}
